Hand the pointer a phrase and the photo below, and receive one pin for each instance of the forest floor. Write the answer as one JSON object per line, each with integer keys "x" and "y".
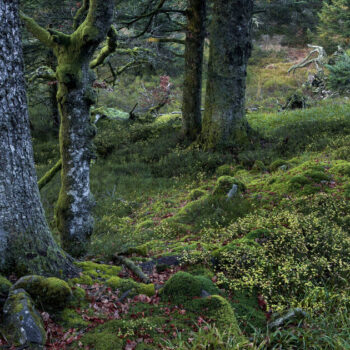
{"x": 281, "y": 242}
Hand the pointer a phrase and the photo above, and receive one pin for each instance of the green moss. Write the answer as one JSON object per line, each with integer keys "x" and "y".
{"x": 342, "y": 168}
{"x": 196, "y": 194}
{"x": 258, "y": 166}
{"x": 141, "y": 250}
{"x": 123, "y": 285}
{"x": 219, "y": 310}
{"x": 277, "y": 164}
{"x": 71, "y": 319}
{"x": 50, "y": 292}
{"x": 225, "y": 169}
{"x": 183, "y": 287}
{"x": 225, "y": 183}
{"x": 82, "y": 279}
{"x": 95, "y": 270}
{"x": 5, "y": 286}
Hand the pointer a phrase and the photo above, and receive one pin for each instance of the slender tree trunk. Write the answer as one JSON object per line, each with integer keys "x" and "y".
{"x": 74, "y": 96}
{"x": 73, "y": 210}
{"x": 230, "y": 48}
{"x": 192, "y": 90}
{"x": 26, "y": 244}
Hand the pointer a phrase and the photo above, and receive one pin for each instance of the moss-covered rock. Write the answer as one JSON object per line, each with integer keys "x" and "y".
{"x": 342, "y": 168}
{"x": 225, "y": 183}
{"x": 22, "y": 323}
{"x": 219, "y": 310}
{"x": 123, "y": 285}
{"x": 49, "y": 292}
{"x": 183, "y": 287}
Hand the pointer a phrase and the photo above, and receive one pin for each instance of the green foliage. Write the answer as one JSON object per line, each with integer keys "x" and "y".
{"x": 339, "y": 73}
{"x": 225, "y": 183}
{"x": 300, "y": 248}
{"x": 334, "y": 26}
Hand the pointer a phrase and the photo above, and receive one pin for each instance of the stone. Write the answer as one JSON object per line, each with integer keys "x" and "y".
{"x": 23, "y": 325}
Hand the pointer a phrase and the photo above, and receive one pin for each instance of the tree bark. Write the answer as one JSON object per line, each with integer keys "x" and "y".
{"x": 26, "y": 243}
{"x": 192, "y": 89}
{"x": 224, "y": 120}
{"x": 75, "y": 96}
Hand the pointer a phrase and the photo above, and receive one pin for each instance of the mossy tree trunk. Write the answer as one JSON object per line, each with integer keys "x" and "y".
{"x": 75, "y": 95}
{"x": 192, "y": 90}
{"x": 26, "y": 243}
{"x": 224, "y": 120}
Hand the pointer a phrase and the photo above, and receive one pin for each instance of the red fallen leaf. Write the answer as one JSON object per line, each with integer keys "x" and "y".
{"x": 130, "y": 345}
{"x": 262, "y": 302}
{"x": 200, "y": 320}
{"x": 182, "y": 312}
{"x": 45, "y": 316}
{"x": 214, "y": 279}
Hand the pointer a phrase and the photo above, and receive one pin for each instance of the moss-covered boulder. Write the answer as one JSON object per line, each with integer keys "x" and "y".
{"x": 22, "y": 324}
{"x": 219, "y": 311}
{"x": 5, "y": 286}
{"x": 183, "y": 287}
{"x": 225, "y": 183}
{"x": 52, "y": 293}
{"x": 126, "y": 284}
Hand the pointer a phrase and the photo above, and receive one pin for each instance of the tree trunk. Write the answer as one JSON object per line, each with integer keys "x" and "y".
{"x": 74, "y": 96}
{"x": 224, "y": 120}
{"x": 26, "y": 244}
{"x": 192, "y": 90}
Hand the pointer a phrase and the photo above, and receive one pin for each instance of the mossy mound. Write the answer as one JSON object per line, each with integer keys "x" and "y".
{"x": 183, "y": 287}
{"x": 5, "y": 286}
{"x": 225, "y": 169}
{"x": 342, "y": 168}
{"x": 225, "y": 183}
{"x": 277, "y": 164}
{"x": 258, "y": 167}
{"x": 95, "y": 270}
{"x": 196, "y": 194}
{"x": 49, "y": 292}
{"x": 82, "y": 279}
{"x": 218, "y": 310}
{"x": 124, "y": 285}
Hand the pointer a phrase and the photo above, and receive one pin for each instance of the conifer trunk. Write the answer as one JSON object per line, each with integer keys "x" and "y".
{"x": 230, "y": 48}
{"x": 192, "y": 90}
{"x": 26, "y": 243}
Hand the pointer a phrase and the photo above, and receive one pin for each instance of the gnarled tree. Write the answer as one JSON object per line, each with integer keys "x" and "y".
{"x": 230, "y": 48}
{"x": 75, "y": 95}
{"x": 26, "y": 244}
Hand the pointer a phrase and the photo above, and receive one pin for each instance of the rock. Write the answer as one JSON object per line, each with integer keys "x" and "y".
{"x": 293, "y": 315}
{"x": 52, "y": 293}
{"x": 283, "y": 167}
{"x": 233, "y": 191}
{"x": 23, "y": 326}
